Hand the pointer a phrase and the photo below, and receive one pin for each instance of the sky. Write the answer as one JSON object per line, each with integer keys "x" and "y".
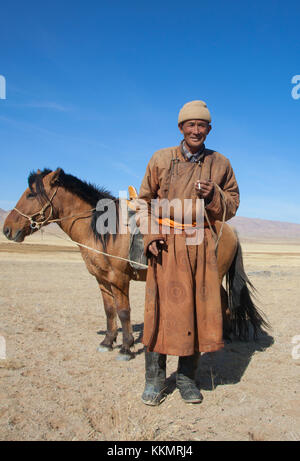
{"x": 95, "y": 88}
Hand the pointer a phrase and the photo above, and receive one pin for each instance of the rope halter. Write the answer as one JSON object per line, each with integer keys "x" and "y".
{"x": 34, "y": 224}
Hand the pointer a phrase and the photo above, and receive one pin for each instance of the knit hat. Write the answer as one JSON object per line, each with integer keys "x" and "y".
{"x": 194, "y": 110}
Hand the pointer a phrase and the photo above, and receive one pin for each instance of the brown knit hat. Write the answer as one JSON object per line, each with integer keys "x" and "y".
{"x": 194, "y": 110}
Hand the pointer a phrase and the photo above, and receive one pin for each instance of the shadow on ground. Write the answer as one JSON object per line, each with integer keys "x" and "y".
{"x": 228, "y": 365}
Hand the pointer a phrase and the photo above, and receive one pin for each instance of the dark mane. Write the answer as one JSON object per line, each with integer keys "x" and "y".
{"x": 36, "y": 177}
{"x": 88, "y": 192}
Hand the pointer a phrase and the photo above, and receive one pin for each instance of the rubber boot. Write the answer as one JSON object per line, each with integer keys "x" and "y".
{"x": 185, "y": 379}
{"x": 155, "y": 365}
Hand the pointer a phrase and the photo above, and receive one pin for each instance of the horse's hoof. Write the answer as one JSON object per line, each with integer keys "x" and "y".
{"x": 125, "y": 357}
{"x": 102, "y": 348}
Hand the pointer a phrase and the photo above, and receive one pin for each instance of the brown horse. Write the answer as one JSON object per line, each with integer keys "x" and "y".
{"x": 54, "y": 196}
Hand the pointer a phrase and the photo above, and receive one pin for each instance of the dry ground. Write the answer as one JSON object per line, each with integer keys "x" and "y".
{"x": 55, "y": 386}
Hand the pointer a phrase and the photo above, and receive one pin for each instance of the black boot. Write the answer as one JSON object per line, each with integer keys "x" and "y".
{"x": 185, "y": 379}
{"x": 155, "y": 365}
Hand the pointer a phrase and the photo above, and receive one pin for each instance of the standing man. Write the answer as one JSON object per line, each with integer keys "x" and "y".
{"x": 183, "y": 314}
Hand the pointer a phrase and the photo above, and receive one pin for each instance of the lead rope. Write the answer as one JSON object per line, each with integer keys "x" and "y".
{"x": 144, "y": 266}
{"x": 38, "y": 225}
{"x": 96, "y": 251}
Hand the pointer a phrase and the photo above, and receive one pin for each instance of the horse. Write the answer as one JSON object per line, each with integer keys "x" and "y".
{"x": 54, "y": 196}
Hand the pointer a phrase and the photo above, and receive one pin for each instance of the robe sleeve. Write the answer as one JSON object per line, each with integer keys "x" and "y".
{"x": 229, "y": 186}
{"x": 148, "y": 191}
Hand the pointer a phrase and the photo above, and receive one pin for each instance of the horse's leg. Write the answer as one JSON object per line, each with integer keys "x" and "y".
{"x": 121, "y": 296}
{"x": 111, "y": 318}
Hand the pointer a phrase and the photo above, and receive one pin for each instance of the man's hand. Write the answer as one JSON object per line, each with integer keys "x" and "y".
{"x": 154, "y": 247}
{"x": 206, "y": 189}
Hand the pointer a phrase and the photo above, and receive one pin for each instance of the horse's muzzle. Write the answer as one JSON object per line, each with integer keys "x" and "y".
{"x": 7, "y": 232}
{"x": 17, "y": 237}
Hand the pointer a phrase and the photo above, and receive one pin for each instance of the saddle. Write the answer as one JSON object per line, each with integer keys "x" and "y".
{"x": 136, "y": 246}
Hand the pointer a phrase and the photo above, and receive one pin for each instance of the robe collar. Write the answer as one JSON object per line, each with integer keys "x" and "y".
{"x": 198, "y": 156}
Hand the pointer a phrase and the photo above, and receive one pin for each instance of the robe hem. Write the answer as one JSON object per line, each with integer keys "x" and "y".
{"x": 213, "y": 347}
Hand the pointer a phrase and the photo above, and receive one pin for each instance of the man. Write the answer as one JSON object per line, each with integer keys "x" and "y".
{"x": 183, "y": 315}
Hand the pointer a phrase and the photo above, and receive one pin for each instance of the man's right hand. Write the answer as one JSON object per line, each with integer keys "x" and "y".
{"x": 154, "y": 247}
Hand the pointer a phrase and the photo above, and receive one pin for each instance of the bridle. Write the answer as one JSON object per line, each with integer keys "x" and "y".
{"x": 34, "y": 224}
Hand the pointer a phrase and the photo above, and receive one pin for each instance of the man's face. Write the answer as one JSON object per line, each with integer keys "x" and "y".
{"x": 195, "y": 132}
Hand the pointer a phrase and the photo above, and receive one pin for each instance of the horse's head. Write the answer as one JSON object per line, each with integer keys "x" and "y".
{"x": 35, "y": 207}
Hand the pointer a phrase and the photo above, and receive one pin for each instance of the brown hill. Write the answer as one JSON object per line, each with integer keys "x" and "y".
{"x": 3, "y": 215}
{"x": 254, "y": 228}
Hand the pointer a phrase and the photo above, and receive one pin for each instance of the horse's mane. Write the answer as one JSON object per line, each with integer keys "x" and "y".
{"x": 88, "y": 192}
{"x": 37, "y": 179}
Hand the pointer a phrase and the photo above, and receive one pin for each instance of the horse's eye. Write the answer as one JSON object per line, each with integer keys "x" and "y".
{"x": 31, "y": 195}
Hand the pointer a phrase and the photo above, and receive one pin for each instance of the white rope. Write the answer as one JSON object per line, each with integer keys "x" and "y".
{"x": 97, "y": 251}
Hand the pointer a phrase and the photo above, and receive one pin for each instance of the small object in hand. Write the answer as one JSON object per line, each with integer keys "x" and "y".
{"x": 198, "y": 185}
{"x": 161, "y": 245}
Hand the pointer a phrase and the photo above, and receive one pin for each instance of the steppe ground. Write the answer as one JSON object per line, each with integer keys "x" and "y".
{"x": 56, "y": 386}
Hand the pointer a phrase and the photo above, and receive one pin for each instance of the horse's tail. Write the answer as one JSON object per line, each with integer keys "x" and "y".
{"x": 243, "y": 311}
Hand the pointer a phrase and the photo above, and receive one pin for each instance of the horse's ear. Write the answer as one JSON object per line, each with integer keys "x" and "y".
{"x": 55, "y": 177}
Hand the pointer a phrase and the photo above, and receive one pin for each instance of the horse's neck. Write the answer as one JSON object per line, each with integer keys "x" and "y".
{"x": 74, "y": 217}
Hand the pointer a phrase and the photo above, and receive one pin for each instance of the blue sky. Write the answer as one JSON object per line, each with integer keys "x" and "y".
{"x": 95, "y": 88}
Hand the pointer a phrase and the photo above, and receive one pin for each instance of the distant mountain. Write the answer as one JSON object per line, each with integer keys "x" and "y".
{"x": 254, "y": 228}
{"x": 3, "y": 215}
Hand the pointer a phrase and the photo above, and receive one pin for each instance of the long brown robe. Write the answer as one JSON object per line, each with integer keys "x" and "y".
{"x": 183, "y": 305}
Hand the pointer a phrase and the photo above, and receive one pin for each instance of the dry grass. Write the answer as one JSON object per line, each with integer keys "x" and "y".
{"x": 55, "y": 386}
